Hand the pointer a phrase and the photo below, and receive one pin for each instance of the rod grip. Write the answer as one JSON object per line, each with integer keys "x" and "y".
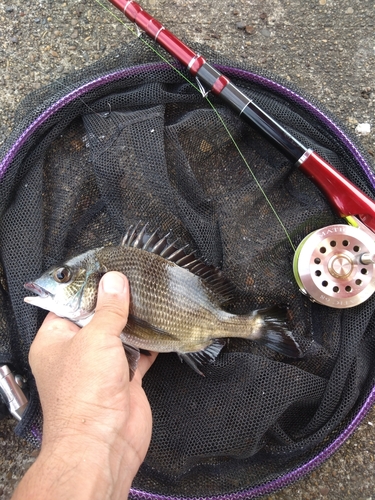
{"x": 346, "y": 198}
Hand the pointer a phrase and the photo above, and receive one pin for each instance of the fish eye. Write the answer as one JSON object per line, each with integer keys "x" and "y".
{"x": 62, "y": 275}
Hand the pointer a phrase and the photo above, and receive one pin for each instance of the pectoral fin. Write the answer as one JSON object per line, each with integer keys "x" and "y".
{"x": 208, "y": 355}
{"x": 132, "y": 355}
{"x": 142, "y": 328}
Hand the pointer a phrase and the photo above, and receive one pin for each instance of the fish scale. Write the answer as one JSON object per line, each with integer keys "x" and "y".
{"x": 173, "y": 308}
{"x": 159, "y": 289}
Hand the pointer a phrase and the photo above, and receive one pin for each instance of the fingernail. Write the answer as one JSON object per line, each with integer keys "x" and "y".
{"x": 114, "y": 283}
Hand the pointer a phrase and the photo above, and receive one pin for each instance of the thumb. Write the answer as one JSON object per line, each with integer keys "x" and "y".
{"x": 112, "y": 309}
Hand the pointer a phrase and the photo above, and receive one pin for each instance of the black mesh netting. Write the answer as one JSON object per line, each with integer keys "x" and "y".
{"x": 130, "y": 140}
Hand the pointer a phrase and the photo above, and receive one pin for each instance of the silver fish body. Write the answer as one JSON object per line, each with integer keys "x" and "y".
{"x": 172, "y": 309}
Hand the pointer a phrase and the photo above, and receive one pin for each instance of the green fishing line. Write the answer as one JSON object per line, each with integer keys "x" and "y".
{"x": 205, "y": 96}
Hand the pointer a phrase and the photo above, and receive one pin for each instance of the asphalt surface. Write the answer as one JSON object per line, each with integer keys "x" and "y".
{"x": 326, "y": 47}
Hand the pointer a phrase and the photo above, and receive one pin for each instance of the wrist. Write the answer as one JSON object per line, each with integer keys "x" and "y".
{"x": 77, "y": 469}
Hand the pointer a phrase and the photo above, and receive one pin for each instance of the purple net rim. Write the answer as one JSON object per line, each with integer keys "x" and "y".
{"x": 236, "y": 72}
{"x": 284, "y": 91}
{"x": 282, "y": 481}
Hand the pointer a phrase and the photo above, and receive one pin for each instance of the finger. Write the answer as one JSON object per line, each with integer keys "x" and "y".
{"x": 112, "y": 309}
{"x": 53, "y": 323}
{"x": 53, "y": 330}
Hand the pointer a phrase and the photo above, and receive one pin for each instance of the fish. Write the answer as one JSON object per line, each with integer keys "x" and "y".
{"x": 178, "y": 302}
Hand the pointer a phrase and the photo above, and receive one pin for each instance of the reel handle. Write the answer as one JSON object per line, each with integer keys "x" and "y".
{"x": 346, "y": 198}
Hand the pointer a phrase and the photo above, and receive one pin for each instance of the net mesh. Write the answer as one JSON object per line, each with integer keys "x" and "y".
{"x": 141, "y": 144}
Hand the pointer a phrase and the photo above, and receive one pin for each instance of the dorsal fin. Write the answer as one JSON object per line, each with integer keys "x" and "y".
{"x": 137, "y": 236}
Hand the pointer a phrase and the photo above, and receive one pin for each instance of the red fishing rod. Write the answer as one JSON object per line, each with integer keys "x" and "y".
{"x": 337, "y": 272}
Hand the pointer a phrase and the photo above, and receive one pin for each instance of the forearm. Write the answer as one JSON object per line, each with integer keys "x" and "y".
{"x": 80, "y": 471}
{"x": 96, "y": 424}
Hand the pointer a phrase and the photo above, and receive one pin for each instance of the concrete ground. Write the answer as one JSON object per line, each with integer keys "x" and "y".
{"x": 326, "y": 47}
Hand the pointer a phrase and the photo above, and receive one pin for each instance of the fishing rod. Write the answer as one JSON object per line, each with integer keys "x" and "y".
{"x": 334, "y": 265}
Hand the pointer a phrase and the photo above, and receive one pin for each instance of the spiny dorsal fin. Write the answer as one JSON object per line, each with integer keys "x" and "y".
{"x": 137, "y": 236}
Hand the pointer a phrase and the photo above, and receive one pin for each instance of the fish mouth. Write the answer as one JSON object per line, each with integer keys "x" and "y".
{"x": 37, "y": 289}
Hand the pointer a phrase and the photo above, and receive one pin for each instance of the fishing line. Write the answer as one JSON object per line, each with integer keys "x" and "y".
{"x": 199, "y": 88}
{"x": 204, "y": 94}
{"x": 253, "y": 175}
{"x": 328, "y": 270}
{"x": 338, "y": 280}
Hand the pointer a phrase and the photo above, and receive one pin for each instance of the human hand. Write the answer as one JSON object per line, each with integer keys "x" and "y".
{"x": 96, "y": 424}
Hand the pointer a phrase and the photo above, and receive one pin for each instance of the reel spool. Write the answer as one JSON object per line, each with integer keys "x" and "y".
{"x": 334, "y": 266}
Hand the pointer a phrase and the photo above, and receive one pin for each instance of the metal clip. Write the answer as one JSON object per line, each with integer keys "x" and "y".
{"x": 12, "y": 393}
{"x": 202, "y": 90}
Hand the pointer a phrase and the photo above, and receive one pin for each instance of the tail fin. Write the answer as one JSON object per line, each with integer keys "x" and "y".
{"x": 275, "y": 332}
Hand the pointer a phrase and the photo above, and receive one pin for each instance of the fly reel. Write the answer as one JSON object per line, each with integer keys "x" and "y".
{"x": 334, "y": 266}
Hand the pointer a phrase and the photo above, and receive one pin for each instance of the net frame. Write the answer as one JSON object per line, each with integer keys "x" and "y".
{"x": 33, "y": 123}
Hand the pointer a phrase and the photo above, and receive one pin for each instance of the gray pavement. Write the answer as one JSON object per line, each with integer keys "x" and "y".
{"x": 326, "y": 47}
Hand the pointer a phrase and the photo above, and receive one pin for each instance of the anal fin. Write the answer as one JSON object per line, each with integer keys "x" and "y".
{"x": 208, "y": 355}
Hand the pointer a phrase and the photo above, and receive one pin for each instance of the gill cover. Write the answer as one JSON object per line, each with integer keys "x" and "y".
{"x": 68, "y": 290}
